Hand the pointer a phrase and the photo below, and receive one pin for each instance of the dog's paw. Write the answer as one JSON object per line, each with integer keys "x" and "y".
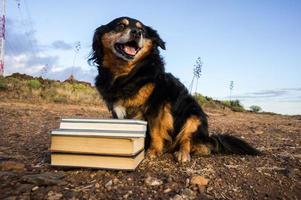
{"x": 153, "y": 153}
{"x": 182, "y": 156}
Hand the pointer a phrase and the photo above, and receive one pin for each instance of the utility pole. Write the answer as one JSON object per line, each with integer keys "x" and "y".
{"x": 197, "y": 72}
{"x": 76, "y": 50}
{"x": 231, "y": 88}
{"x": 2, "y": 37}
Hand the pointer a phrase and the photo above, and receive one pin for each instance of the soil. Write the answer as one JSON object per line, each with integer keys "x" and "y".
{"x": 25, "y": 171}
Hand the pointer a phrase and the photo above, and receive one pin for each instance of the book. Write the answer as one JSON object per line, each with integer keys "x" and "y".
{"x": 97, "y": 161}
{"x": 103, "y": 124}
{"x": 98, "y": 133}
{"x": 97, "y": 142}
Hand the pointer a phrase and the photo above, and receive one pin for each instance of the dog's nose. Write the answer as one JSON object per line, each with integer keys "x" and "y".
{"x": 136, "y": 33}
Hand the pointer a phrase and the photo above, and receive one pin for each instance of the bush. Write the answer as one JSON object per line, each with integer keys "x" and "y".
{"x": 200, "y": 99}
{"x": 234, "y": 105}
{"x": 255, "y": 108}
{"x": 34, "y": 84}
{"x": 3, "y": 85}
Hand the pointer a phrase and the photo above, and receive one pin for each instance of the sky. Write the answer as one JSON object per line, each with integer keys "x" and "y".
{"x": 254, "y": 43}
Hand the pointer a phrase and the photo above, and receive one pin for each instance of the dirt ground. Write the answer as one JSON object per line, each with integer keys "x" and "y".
{"x": 25, "y": 172}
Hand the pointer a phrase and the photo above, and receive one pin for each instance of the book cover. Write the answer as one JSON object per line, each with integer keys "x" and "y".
{"x": 96, "y": 161}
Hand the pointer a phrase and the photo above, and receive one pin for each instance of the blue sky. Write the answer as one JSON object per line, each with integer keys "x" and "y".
{"x": 257, "y": 44}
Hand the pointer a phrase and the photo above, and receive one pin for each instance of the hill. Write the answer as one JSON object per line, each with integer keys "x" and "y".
{"x": 27, "y": 88}
{"x": 23, "y": 87}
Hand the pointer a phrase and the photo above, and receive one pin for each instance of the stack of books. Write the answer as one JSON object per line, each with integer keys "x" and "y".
{"x": 98, "y": 143}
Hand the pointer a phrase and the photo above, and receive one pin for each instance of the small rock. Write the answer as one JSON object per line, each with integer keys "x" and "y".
{"x": 109, "y": 184}
{"x": 97, "y": 185}
{"x": 35, "y": 188}
{"x": 177, "y": 197}
{"x": 92, "y": 175}
{"x": 153, "y": 181}
{"x": 169, "y": 179}
{"x": 167, "y": 190}
{"x": 12, "y": 166}
{"x": 199, "y": 180}
{"x": 188, "y": 194}
{"x": 54, "y": 195}
{"x": 126, "y": 195}
{"x": 115, "y": 180}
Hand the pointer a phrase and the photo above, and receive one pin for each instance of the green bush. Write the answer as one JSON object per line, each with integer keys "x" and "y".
{"x": 200, "y": 99}
{"x": 3, "y": 85}
{"x": 226, "y": 103}
{"x": 34, "y": 84}
{"x": 234, "y": 105}
{"x": 255, "y": 108}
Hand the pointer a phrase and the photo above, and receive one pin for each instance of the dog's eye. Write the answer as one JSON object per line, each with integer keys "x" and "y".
{"x": 120, "y": 27}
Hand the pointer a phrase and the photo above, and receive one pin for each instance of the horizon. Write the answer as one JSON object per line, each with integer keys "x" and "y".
{"x": 253, "y": 43}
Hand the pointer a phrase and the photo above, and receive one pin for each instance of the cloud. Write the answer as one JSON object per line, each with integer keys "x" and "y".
{"x": 78, "y": 72}
{"x": 60, "y": 44}
{"x": 41, "y": 60}
{"x": 19, "y": 42}
{"x": 269, "y": 93}
{"x": 25, "y": 54}
{"x": 282, "y": 94}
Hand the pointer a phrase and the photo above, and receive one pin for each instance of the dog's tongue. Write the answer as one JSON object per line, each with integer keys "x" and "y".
{"x": 129, "y": 50}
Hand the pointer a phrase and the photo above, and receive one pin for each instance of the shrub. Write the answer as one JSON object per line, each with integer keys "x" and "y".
{"x": 3, "y": 85}
{"x": 200, "y": 99}
{"x": 255, "y": 108}
{"x": 234, "y": 105}
{"x": 34, "y": 84}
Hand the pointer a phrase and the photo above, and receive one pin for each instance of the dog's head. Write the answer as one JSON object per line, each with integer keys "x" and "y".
{"x": 122, "y": 43}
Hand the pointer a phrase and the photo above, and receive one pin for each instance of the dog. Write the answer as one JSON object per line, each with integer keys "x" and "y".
{"x": 133, "y": 83}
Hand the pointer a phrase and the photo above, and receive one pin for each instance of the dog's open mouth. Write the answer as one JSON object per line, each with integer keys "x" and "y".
{"x": 127, "y": 50}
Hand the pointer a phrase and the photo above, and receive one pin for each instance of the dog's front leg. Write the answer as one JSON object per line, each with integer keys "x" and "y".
{"x": 184, "y": 138}
{"x": 157, "y": 142}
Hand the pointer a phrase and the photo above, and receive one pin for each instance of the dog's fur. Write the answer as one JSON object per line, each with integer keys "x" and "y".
{"x": 133, "y": 82}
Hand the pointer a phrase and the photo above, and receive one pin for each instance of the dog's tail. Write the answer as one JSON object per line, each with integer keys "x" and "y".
{"x": 227, "y": 144}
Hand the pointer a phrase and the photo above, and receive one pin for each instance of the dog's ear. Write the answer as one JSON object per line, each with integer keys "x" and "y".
{"x": 155, "y": 37}
{"x": 97, "y": 49}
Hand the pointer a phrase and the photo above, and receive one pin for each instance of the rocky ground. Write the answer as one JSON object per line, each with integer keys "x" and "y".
{"x": 25, "y": 172}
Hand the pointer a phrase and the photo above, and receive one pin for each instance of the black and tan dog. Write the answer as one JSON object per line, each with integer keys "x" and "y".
{"x": 133, "y": 82}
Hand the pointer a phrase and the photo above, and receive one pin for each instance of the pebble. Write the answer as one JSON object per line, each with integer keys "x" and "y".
{"x": 109, "y": 184}
{"x": 177, "y": 197}
{"x": 54, "y": 195}
{"x": 35, "y": 188}
{"x": 115, "y": 180}
{"x": 167, "y": 190}
{"x": 97, "y": 185}
{"x": 188, "y": 194}
{"x": 153, "y": 181}
{"x": 199, "y": 180}
{"x": 187, "y": 182}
